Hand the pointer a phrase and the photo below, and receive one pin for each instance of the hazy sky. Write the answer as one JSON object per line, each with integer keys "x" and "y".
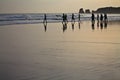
{"x": 52, "y": 6}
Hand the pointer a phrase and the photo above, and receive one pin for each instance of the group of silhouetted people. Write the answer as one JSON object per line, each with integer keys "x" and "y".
{"x": 64, "y": 17}
{"x": 65, "y": 21}
{"x": 101, "y": 20}
{"x": 99, "y": 17}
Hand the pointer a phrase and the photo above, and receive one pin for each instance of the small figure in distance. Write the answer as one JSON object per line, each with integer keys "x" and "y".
{"x": 79, "y": 20}
{"x": 93, "y": 21}
{"x": 73, "y": 21}
{"x": 66, "y": 18}
{"x": 79, "y": 17}
{"x": 93, "y": 17}
{"x": 101, "y": 18}
{"x": 105, "y": 17}
{"x": 63, "y": 17}
{"x": 73, "y": 18}
{"x": 45, "y": 19}
{"x": 98, "y": 17}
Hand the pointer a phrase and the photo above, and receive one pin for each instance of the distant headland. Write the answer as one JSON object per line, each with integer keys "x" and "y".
{"x": 102, "y": 10}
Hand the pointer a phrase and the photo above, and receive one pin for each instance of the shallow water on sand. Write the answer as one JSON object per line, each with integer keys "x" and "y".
{"x": 79, "y": 52}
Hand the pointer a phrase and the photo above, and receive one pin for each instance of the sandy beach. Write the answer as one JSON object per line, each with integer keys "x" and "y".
{"x": 51, "y": 52}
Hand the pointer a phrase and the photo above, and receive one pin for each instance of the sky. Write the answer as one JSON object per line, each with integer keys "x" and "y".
{"x": 53, "y": 6}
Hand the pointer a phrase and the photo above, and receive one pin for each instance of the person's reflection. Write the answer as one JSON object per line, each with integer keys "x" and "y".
{"x": 105, "y": 24}
{"x": 101, "y": 25}
{"x": 73, "y": 23}
{"x": 79, "y": 24}
{"x": 64, "y": 26}
{"x": 93, "y": 25}
{"x": 97, "y": 24}
{"x": 45, "y": 26}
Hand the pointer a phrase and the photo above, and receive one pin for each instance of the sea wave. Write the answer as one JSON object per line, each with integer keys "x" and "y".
{"x": 7, "y": 19}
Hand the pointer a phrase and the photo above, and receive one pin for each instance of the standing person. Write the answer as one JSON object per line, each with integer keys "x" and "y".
{"x": 98, "y": 17}
{"x": 73, "y": 18}
{"x": 66, "y": 18}
{"x": 105, "y": 17}
{"x": 101, "y": 17}
{"x": 93, "y": 21}
{"x": 93, "y": 17}
{"x": 63, "y": 17}
{"x": 45, "y": 18}
{"x": 79, "y": 16}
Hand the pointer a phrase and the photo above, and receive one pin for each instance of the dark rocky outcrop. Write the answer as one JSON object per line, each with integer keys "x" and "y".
{"x": 87, "y": 11}
{"x": 81, "y": 10}
{"x": 108, "y": 10}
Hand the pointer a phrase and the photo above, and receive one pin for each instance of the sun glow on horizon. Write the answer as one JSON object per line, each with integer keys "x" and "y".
{"x": 39, "y": 6}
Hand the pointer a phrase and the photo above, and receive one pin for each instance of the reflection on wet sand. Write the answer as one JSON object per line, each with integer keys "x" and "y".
{"x": 64, "y": 26}
{"x": 73, "y": 23}
{"x": 99, "y": 25}
{"x": 93, "y": 25}
{"x": 79, "y": 24}
{"x": 45, "y": 26}
{"x": 105, "y": 24}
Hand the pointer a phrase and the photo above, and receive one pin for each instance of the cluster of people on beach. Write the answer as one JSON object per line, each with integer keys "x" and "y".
{"x": 101, "y": 20}
{"x": 99, "y": 17}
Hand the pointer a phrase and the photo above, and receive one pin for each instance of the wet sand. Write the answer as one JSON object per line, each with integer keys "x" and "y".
{"x": 53, "y": 52}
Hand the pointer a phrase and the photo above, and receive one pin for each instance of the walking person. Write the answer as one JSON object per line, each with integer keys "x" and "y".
{"x": 63, "y": 17}
{"x": 45, "y": 19}
{"x": 73, "y": 18}
{"x": 79, "y": 16}
{"x": 101, "y": 18}
{"x": 98, "y": 17}
{"x": 105, "y": 17}
{"x": 66, "y": 18}
{"x": 93, "y": 17}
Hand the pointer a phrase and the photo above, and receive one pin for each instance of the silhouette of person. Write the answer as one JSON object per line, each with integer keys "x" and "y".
{"x": 73, "y": 18}
{"x": 93, "y": 17}
{"x": 101, "y": 17}
{"x": 45, "y": 19}
{"x": 93, "y": 21}
{"x": 66, "y": 18}
{"x": 63, "y": 17}
{"x": 64, "y": 26}
{"x": 98, "y": 17}
{"x": 105, "y": 17}
{"x": 45, "y": 26}
{"x": 79, "y": 17}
